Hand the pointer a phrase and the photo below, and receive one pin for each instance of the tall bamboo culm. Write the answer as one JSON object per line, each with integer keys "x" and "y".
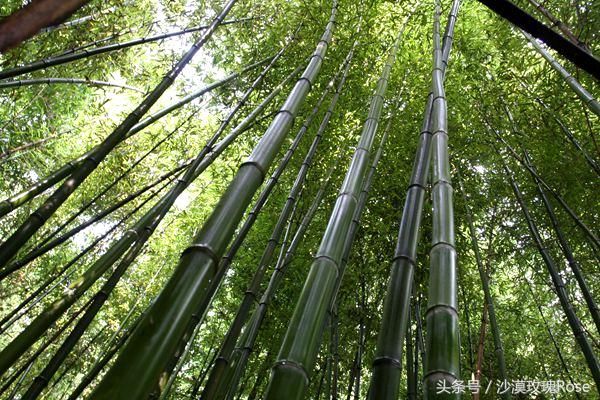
{"x": 155, "y": 339}
{"x": 291, "y": 373}
{"x": 216, "y": 376}
{"x": 442, "y": 362}
{"x": 387, "y": 365}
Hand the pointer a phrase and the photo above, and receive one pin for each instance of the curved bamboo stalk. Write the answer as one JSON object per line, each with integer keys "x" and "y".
{"x": 215, "y": 382}
{"x": 37, "y": 219}
{"x": 385, "y": 380}
{"x": 489, "y": 300}
{"x": 442, "y": 340}
{"x": 66, "y": 58}
{"x": 136, "y": 370}
{"x": 585, "y": 96}
{"x": 568, "y": 253}
{"x": 30, "y": 19}
{"x": 75, "y": 81}
{"x": 28, "y": 194}
{"x": 290, "y": 374}
{"x": 573, "y": 320}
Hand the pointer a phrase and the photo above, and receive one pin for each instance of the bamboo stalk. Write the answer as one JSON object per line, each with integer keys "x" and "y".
{"x": 385, "y": 380}
{"x": 251, "y": 333}
{"x": 66, "y": 58}
{"x": 585, "y": 96}
{"x": 37, "y": 219}
{"x": 136, "y": 370}
{"x": 73, "y": 81}
{"x": 251, "y": 294}
{"x": 568, "y": 253}
{"x": 442, "y": 341}
{"x": 290, "y": 374}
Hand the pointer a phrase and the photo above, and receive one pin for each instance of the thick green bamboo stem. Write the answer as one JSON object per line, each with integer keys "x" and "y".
{"x": 63, "y": 59}
{"x": 585, "y": 96}
{"x": 489, "y": 300}
{"x": 290, "y": 374}
{"x": 385, "y": 380}
{"x": 37, "y": 219}
{"x": 252, "y": 330}
{"x": 568, "y": 253}
{"x": 28, "y": 194}
{"x": 573, "y": 320}
{"x": 251, "y": 295}
{"x": 73, "y": 81}
{"x": 141, "y": 361}
{"x": 559, "y": 24}
{"x": 212, "y": 386}
{"x": 31, "y": 334}
{"x": 588, "y": 232}
{"x": 442, "y": 341}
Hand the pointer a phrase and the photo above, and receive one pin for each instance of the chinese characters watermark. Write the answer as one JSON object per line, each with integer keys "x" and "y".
{"x": 527, "y": 387}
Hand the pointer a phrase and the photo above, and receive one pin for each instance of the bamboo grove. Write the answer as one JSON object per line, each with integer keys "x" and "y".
{"x": 329, "y": 200}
